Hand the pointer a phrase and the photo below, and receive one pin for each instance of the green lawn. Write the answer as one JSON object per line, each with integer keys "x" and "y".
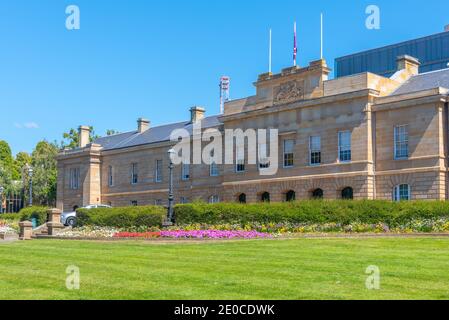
{"x": 411, "y": 268}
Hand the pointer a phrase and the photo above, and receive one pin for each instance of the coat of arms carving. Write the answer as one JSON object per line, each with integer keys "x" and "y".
{"x": 289, "y": 91}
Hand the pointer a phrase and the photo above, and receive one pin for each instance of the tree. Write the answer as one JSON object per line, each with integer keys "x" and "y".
{"x": 6, "y": 166}
{"x": 71, "y": 138}
{"x": 111, "y": 132}
{"x": 45, "y": 173}
{"x": 22, "y": 160}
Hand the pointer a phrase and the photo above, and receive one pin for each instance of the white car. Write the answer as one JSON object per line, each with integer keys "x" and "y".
{"x": 69, "y": 218}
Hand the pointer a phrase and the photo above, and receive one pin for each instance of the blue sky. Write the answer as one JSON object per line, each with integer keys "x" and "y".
{"x": 156, "y": 59}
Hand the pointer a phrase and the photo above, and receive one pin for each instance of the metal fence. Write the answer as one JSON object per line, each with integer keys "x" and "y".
{"x": 12, "y": 203}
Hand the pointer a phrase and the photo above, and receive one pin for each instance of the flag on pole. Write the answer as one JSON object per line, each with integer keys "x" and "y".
{"x": 295, "y": 48}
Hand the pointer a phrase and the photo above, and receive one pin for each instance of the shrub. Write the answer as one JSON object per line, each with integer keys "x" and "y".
{"x": 312, "y": 212}
{"x": 39, "y": 213}
{"x": 127, "y": 217}
{"x": 10, "y": 216}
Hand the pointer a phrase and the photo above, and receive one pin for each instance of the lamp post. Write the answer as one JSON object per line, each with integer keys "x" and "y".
{"x": 30, "y": 175}
{"x": 170, "y": 219}
{"x": 1, "y": 199}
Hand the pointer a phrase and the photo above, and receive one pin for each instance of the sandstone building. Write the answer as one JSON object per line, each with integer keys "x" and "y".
{"x": 362, "y": 136}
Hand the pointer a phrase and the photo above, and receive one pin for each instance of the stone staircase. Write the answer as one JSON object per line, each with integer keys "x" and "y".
{"x": 40, "y": 231}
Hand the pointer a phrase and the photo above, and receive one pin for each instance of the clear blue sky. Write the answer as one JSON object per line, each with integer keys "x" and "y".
{"x": 158, "y": 58}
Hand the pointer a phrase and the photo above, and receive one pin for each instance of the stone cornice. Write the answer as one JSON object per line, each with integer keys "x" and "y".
{"x": 300, "y": 104}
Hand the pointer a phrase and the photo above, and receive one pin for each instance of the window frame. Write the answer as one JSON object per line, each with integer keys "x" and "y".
{"x": 285, "y": 154}
{"x": 340, "y": 146}
{"x": 260, "y": 164}
{"x": 75, "y": 178}
{"x": 110, "y": 176}
{"x": 185, "y": 173}
{"x": 396, "y": 133}
{"x": 158, "y": 178}
{"x": 311, "y": 151}
{"x": 397, "y": 193}
{"x": 134, "y": 173}
{"x": 214, "y": 170}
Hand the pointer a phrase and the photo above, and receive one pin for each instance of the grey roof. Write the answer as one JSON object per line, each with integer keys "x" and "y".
{"x": 152, "y": 135}
{"x": 425, "y": 81}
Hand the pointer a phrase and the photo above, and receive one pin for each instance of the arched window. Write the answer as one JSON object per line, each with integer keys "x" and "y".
{"x": 317, "y": 194}
{"x": 214, "y": 199}
{"x": 347, "y": 193}
{"x": 242, "y": 198}
{"x": 401, "y": 192}
{"x": 290, "y": 196}
{"x": 265, "y": 197}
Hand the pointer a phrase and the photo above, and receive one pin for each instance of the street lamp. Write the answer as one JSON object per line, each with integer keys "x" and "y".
{"x": 170, "y": 219}
{"x": 30, "y": 175}
{"x": 1, "y": 199}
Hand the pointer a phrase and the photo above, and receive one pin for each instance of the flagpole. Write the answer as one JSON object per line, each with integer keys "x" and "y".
{"x": 295, "y": 50}
{"x": 269, "y": 53}
{"x": 321, "y": 43}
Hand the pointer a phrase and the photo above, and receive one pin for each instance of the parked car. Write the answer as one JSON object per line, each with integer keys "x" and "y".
{"x": 69, "y": 218}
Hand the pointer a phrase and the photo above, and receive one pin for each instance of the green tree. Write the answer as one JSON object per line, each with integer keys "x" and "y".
{"x": 6, "y": 166}
{"x": 22, "y": 160}
{"x": 45, "y": 173}
{"x": 111, "y": 132}
{"x": 71, "y": 138}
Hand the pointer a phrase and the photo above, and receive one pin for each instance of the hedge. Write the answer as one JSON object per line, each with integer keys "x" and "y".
{"x": 151, "y": 216}
{"x": 39, "y": 213}
{"x": 302, "y": 212}
{"x": 313, "y": 211}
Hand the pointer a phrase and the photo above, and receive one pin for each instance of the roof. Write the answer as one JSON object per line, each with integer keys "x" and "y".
{"x": 152, "y": 135}
{"x": 425, "y": 81}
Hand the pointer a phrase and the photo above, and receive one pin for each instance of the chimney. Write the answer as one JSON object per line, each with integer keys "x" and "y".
{"x": 143, "y": 125}
{"x": 83, "y": 136}
{"x": 196, "y": 114}
{"x": 446, "y": 28}
{"x": 409, "y": 64}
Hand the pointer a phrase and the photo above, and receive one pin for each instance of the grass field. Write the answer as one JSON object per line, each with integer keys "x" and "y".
{"x": 411, "y": 268}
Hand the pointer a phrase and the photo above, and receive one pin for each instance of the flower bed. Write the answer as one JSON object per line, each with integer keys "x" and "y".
{"x": 195, "y": 234}
{"x": 88, "y": 232}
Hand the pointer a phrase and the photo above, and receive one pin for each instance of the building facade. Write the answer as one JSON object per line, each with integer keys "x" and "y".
{"x": 357, "y": 137}
{"x": 432, "y": 51}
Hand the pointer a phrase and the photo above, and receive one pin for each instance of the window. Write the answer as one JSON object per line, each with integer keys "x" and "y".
{"x": 214, "y": 199}
{"x": 158, "y": 170}
{"x": 347, "y": 193}
{"x": 134, "y": 173}
{"x": 317, "y": 194}
{"x": 315, "y": 150}
{"x": 74, "y": 178}
{"x": 290, "y": 196}
{"x": 183, "y": 200}
{"x": 401, "y": 193}
{"x": 289, "y": 146}
{"x": 265, "y": 197}
{"x": 264, "y": 163}
{"x": 213, "y": 170}
{"x": 240, "y": 165}
{"x": 401, "y": 142}
{"x": 242, "y": 198}
{"x": 110, "y": 176}
{"x": 344, "y": 146}
{"x": 185, "y": 171}
{"x": 134, "y": 203}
